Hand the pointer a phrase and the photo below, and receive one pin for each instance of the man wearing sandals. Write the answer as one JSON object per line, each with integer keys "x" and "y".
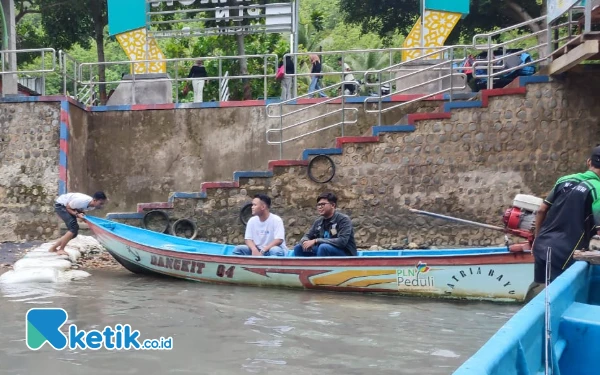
{"x": 70, "y": 207}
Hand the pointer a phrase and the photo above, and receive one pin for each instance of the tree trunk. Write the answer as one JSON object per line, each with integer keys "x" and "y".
{"x": 521, "y": 15}
{"x": 98, "y": 11}
{"x": 241, "y": 50}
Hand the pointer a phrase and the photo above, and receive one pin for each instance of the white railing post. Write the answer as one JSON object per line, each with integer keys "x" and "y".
{"x": 380, "y": 95}
{"x": 281, "y": 131}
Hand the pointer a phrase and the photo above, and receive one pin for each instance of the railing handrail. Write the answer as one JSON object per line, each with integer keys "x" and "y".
{"x": 281, "y": 116}
{"x": 509, "y": 28}
{"x": 423, "y": 57}
{"x": 363, "y": 50}
{"x": 29, "y": 50}
{"x": 180, "y": 79}
{"x": 431, "y": 67}
{"x": 179, "y": 59}
{"x": 379, "y": 99}
{"x": 395, "y": 67}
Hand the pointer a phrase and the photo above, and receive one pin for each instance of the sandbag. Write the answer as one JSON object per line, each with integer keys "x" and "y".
{"x": 85, "y": 244}
{"x": 44, "y": 255}
{"x": 72, "y": 275}
{"x": 32, "y": 275}
{"x": 74, "y": 254}
{"x": 26, "y": 263}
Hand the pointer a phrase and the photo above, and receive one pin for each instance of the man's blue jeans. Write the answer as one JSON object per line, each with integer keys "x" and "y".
{"x": 320, "y": 250}
{"x": 314, "y": 86}
{"x": 275, "y": 251}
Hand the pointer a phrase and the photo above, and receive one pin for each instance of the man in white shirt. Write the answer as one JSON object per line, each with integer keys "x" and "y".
{"x": 70, "y": 207}
{"x": 349, "y": 88}
{"x": 265, "y": 234}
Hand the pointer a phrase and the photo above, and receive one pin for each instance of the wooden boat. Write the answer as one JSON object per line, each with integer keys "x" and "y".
{"x": 573, "y": 332}
{"x": 493, "y": 273}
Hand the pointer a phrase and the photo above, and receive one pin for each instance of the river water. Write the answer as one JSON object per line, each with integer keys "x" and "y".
{"x": 245, "y": 330}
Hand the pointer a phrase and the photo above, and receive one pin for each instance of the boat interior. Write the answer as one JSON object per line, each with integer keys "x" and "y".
{"x": 179, "y": 244}
{"x": 573, "y": 331}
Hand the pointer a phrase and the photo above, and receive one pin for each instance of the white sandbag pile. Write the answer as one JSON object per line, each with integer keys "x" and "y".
{"x": 40, "y": 266}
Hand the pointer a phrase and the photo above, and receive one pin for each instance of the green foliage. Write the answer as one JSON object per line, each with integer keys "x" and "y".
{"x": 67, "y": 22}
{"x": 385, "y": 17}
{"x": 214, "y": 46}
{"x": 336, "y": 25}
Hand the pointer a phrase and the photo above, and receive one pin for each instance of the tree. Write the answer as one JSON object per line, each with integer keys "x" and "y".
{"x": 69, "y": 22}
{"x": 388, "y": 16}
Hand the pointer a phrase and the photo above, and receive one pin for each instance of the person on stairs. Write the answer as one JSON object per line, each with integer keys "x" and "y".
{"x": 315, "y": 80}
{"x": 198, "y": 74}
{"x": 286, "y": 82}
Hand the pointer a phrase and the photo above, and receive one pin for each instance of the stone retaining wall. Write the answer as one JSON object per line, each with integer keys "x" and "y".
{"x": 29, "y": 153}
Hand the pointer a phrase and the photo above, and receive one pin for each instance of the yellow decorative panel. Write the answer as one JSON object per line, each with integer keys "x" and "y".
{"x": 134, "y": 44}
{"x": 438, "y": 25}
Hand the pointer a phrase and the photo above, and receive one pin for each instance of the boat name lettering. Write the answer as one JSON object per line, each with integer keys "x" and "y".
{"x": 478, "y": 271}
{"x": 177, "y": 264}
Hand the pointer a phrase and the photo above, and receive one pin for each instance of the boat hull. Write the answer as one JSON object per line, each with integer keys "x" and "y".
{"x": 487, "y": 276}
{"x": 573, "y": 331}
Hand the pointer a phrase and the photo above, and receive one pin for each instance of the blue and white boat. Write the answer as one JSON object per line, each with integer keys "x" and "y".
{"x": 571, "y": 337}
{"x": 492, "y": 273}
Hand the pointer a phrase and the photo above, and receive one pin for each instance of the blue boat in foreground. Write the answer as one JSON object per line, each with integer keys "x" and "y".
{"x": 574, "y": 332}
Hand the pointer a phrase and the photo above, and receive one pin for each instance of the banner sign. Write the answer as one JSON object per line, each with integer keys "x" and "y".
{"x": 222, "y": 17}
{"x": 557, "y": 8}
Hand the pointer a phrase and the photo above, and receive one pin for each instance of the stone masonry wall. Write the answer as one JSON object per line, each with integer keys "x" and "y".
{"x": 29, "y": 152}
{"x": 132, "y": 155}
{"x": 140, "y": 156}
{"x": 470, "y": 166}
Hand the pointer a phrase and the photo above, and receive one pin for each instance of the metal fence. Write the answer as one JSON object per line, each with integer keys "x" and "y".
{"x": 36, "y": 69}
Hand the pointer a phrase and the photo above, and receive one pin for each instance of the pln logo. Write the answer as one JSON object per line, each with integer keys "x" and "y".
{"x": 44, "y": 326}
{"x": 422, "y": 267}
{"x": 416, "y": 278}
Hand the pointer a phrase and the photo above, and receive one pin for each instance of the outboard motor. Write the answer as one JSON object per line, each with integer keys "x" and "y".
{"x": 519, "y": 220}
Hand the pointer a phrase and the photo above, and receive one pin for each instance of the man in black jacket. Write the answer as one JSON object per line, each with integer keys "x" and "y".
{"x": 199, "y": 74}
{"x": 330, "y": 235}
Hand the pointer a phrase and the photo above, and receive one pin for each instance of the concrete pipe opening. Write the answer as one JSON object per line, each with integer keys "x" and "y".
{"x": 184, "y": 228}
{"x": 157, "y": 221}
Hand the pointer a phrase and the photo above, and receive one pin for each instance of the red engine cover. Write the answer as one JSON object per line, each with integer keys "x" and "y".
{"x": 512, "y": 217}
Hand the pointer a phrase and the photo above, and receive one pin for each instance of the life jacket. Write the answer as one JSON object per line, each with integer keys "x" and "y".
{"x": 526, "y": 70}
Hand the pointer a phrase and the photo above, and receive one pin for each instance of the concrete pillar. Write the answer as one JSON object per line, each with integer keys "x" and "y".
{"x": 9, "y": 81}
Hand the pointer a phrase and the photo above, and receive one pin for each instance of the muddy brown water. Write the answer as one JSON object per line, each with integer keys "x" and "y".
{"x": 246, "y": 330}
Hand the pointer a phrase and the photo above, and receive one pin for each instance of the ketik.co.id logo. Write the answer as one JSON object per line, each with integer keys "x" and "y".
{"x": 44, "y": 326}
